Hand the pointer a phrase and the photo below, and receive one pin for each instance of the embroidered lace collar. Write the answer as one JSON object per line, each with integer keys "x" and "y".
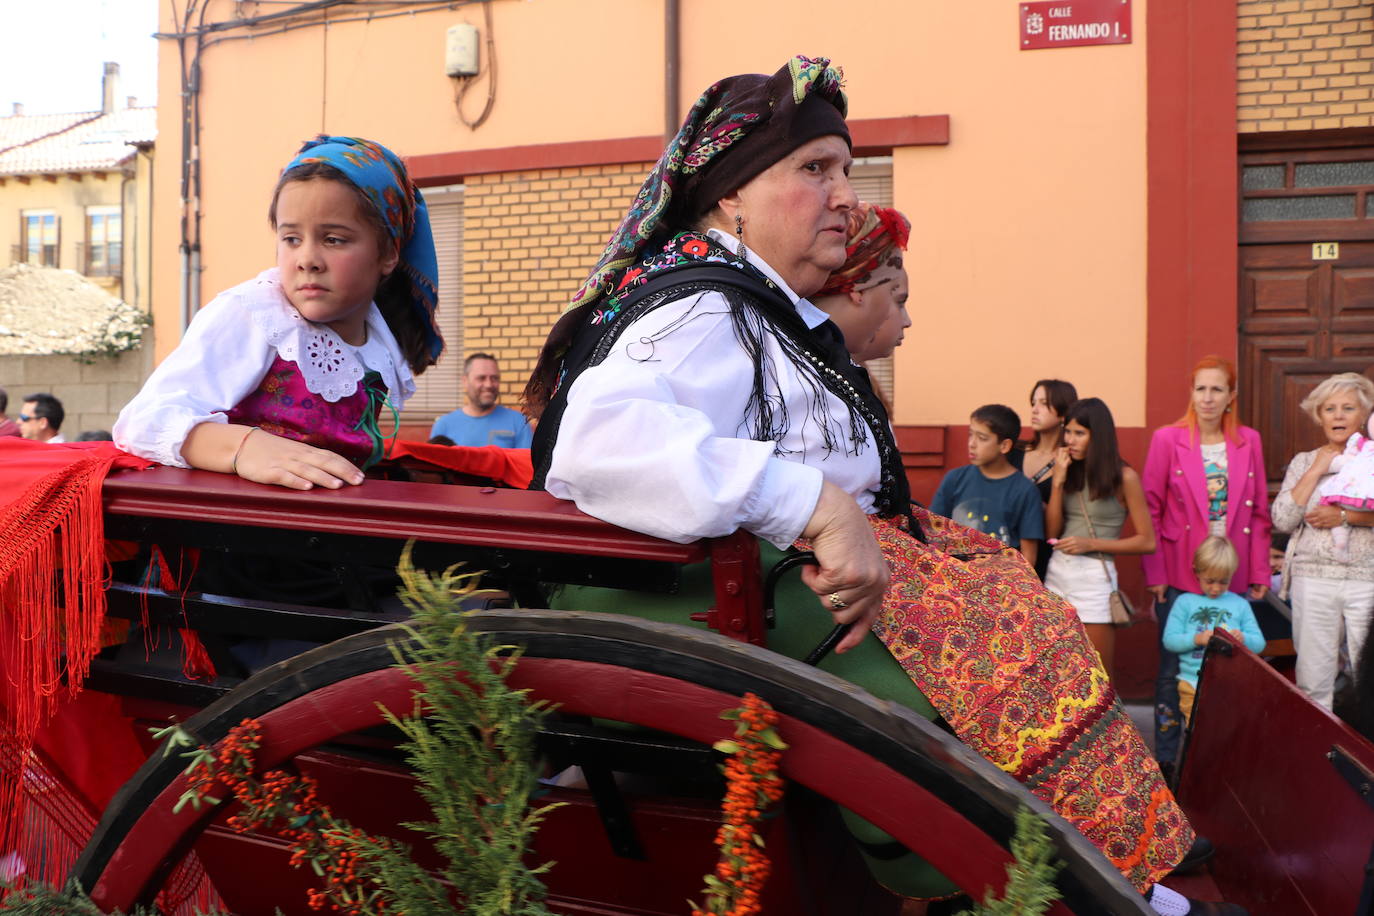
{"x": 330, "y": 367}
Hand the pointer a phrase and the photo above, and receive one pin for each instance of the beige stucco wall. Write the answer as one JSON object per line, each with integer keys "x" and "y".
{"x": 91, "y": 393}
{"x": 1029, "y": 228}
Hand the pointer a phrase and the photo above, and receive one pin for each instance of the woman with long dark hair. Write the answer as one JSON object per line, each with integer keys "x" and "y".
{"x": 1050, "y": 399}
{"x": 1092, "y": 493}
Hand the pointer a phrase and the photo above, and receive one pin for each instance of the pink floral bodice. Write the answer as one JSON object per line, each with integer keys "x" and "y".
{"x": 283, "y": 406}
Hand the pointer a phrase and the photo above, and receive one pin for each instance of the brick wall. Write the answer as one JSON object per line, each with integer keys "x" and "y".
{"x": 92, "y": 394}
{"x": 1305, "y": 64}
{"x": 529, "y": 240}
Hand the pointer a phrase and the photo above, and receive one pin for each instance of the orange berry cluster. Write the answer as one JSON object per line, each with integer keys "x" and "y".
{"x": 752, "y": 784}
{"x": 331, "y": 846}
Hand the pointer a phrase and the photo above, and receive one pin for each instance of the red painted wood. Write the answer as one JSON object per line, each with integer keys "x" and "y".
{"x": 815, "y": 759}
{"x": 1292, "y": 836}
{"x": 524, "y": 519}
{"x": 738, "y": 589}
{"x": 1192, "y": 192}
{"x": 870, "y": 135}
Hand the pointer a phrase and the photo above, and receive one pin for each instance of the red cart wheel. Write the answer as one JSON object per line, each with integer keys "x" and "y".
{"x": 880, "y": 760}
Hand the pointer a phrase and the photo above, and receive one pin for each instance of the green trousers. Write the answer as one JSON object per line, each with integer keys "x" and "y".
{"x": 801, "y": 625}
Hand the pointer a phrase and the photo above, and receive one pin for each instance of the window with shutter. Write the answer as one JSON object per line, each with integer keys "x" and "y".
{"x": 440, "y": 389}
{"x": 872, "y": 181}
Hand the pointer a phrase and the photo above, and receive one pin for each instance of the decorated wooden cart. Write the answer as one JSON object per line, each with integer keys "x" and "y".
{"x": 1282, "y": 788}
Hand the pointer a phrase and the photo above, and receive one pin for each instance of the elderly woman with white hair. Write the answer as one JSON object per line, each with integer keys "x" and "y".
{"x": 1331, "y": 590}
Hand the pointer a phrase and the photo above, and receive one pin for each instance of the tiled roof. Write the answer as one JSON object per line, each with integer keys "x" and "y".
{"x": 88, "y": 141}
{"x": 21, "y": 129}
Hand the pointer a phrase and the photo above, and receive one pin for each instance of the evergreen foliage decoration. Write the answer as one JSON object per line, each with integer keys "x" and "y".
{"x": 1030, "y": 886}
{"x": 471, "y": 741}
{"x": 32, "y": 898}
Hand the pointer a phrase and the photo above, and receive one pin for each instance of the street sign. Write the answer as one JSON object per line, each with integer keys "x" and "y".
{"x": 1069, "y": 23}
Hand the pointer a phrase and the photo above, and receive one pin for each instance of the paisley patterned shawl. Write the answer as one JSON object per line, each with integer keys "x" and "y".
{"x": 382, "y": 177}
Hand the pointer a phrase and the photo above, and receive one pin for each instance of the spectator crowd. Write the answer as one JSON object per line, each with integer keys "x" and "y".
{"x": 1214, "y": 553}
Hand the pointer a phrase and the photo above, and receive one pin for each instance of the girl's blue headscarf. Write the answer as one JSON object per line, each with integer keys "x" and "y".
{"x": 381, "y": 176}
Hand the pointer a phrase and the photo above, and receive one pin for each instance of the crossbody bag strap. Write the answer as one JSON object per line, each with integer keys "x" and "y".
{"x": 1082, "y": 501}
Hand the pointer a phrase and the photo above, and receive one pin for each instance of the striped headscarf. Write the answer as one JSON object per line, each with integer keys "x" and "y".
{"x": 876, "y": 236}
{"x": 382, "y": 177}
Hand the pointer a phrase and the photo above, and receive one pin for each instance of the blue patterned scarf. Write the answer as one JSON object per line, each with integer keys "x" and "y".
{"x": 381, "y": 176}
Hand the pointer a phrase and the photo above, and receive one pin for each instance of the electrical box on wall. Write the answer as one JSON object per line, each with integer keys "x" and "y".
{"x": 460, "y": 53}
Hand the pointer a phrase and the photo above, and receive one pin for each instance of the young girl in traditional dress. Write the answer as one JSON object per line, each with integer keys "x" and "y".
{"x": 281, "y": 379}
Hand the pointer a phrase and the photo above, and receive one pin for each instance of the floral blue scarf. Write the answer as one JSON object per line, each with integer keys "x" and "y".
{"x": 381, "y": 176}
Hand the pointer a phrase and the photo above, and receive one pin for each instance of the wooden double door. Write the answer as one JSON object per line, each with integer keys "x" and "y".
{"x": 1301, "y": 319}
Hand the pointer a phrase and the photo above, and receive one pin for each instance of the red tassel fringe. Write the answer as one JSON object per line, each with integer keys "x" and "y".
{"x": 52, "y": 608}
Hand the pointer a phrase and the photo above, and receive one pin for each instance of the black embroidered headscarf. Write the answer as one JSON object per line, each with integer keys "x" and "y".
{"x": 737, "y": 129}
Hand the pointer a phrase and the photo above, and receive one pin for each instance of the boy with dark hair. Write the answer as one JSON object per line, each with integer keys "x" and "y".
{"x": 988, "y": 493}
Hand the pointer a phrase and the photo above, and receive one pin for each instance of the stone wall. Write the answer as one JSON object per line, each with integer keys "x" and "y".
{"x": 91, "y": 393}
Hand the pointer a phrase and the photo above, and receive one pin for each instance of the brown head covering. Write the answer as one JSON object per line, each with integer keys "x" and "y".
{"x": 737, "y": 128}
{"x": 876, "y": 236}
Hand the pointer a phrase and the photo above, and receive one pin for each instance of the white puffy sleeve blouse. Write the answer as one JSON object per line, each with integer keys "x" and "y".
{"x": 226, "y": 352}
{"x": 652, "y": 438}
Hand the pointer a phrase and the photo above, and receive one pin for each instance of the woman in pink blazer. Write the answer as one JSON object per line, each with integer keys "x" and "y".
{"x": 1203, "y": 475}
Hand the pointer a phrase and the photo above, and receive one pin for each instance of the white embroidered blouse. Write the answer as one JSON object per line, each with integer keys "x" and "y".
{"x": 653, "y": 439}
{"x": 225, "y": 354}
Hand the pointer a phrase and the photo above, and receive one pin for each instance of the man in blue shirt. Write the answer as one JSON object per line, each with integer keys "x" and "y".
{"x": 481, "y": 421}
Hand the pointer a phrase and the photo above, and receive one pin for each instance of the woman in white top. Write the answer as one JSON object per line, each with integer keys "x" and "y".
{"x": 1332, "y": 590}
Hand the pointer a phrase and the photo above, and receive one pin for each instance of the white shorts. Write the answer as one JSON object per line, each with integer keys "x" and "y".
{"x": 1081, "y": 581}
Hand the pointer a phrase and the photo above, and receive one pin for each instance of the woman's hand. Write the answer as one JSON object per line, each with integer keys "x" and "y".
{"x": 1061, "y": 461}
{"x": 1076, "y": 545}
{"x": 851, "y": 567}
{"x": 1258, "y": 591}
{"x": 1158, "y": 591}
{"x": 265, "y": 458}
{"x": 1324, "y": 517}
{"x": 1321, "y": 462}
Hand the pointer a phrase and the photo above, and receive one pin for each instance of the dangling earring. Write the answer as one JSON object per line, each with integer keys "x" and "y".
{"x": 743, "y": 253}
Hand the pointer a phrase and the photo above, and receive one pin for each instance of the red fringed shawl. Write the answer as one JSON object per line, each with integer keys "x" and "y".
{"x": 52, "y": 589}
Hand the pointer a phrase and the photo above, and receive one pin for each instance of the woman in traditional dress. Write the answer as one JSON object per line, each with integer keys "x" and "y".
{"x": 692, "y": 390}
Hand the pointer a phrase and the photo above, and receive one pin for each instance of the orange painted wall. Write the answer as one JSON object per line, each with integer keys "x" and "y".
{"x": 1029, "y": 228}
{"x": 1028, "y": 238}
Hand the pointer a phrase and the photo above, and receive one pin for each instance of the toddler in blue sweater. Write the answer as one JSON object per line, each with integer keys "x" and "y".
{"x": 1195, "y": 617}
